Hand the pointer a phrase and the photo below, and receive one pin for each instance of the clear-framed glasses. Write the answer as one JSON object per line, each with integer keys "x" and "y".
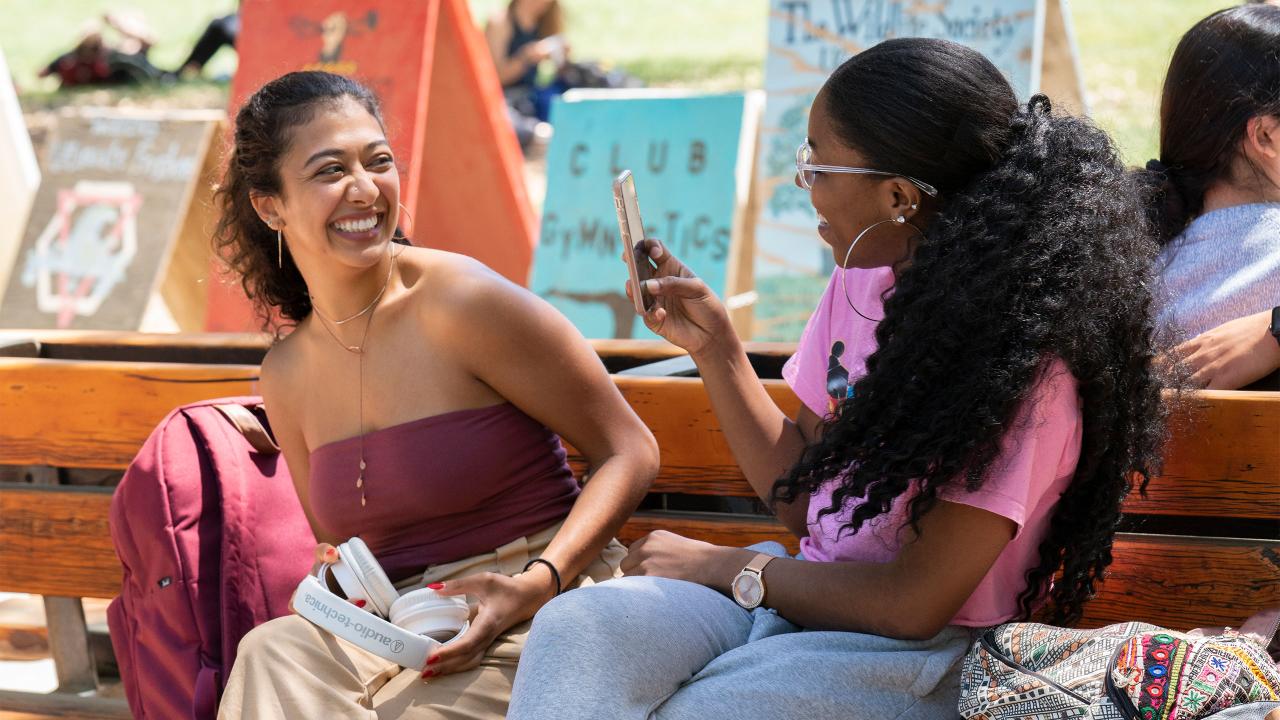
{"x": 808, "y": 172}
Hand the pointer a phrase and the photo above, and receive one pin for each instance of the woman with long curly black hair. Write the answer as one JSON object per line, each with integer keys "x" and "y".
{"x": 1007, "y": 408}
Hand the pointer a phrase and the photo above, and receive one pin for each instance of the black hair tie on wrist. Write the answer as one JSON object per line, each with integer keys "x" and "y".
{"x": 555, "y": 574}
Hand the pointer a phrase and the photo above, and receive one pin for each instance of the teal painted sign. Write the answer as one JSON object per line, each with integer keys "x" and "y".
{"x": 684, "y": 152}
{"x": 807, "y": 40}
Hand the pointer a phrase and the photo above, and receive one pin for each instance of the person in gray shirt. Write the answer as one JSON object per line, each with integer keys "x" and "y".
{"x": 1214, "y": 197}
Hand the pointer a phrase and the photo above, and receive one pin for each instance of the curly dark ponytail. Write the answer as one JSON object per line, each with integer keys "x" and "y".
{"x": 1039, "y": 250}
{"x": 262, "y": 133}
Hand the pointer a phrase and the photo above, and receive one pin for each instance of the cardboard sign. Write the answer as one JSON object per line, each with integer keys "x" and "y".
{"x": 691, "y": 158}
{"x": 1029, "y": 40}
{"x": 21, "y": 176}
{"x": 119, "y": 219}
{"x": 462, "y": 176}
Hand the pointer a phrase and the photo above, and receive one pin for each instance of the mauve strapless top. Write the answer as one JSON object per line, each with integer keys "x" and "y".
{"x": 444, "y": 487}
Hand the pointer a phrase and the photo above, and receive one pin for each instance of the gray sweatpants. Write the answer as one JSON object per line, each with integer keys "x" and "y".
{"x": 644, "y": 647}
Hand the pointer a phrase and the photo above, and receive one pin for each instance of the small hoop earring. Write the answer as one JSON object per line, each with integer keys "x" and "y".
{"x": 402, "y": 235}
{"x": 844, "y": 285}
{"x": 279, "y": 249}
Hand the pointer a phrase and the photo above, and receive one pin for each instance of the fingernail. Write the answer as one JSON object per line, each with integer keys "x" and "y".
{"x": 433, "y": 659}
{"x": 358, "y": 603}
{"x": 428, "y": 673}
{"x": 435, "y": 586}
{"x": 655, "y": 250}
{"x": 331, "y": 553}
{"x": 651, "y": 286}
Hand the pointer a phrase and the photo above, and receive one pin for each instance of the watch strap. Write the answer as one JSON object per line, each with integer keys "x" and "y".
{"x": 1275, "y": 323}
{"x": 758, "y": 562}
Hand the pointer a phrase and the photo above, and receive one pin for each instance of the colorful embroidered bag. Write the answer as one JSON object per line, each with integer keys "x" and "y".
{"x": 1129, "y": 671}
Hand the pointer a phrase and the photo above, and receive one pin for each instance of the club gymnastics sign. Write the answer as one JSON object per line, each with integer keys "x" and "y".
{"x": 684, "y": 151}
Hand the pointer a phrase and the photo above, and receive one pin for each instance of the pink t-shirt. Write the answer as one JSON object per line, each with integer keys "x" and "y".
{"x": 1037, "y": 460}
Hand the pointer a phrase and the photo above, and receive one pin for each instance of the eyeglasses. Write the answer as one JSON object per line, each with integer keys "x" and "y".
{"x": 808, "y": 172}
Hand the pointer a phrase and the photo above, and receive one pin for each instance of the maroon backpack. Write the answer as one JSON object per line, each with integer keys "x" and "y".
{"x": 213, "y": 541}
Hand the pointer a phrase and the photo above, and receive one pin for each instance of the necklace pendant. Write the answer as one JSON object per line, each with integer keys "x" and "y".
{"x": 355, "y": 349}
{"x": 359, "y": 482}
{"x": 362, "y": 465}
{"x": 362, "y": 501}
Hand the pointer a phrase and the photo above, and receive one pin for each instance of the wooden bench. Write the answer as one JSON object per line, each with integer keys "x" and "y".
{"x": 1203, "y": 548}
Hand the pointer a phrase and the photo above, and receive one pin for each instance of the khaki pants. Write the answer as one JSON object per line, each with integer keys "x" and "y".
{"x": 289, "y": 668}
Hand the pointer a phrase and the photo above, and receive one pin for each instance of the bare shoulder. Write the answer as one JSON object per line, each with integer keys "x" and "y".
{"x": 443, "y": 280}
{"x": 280, "y": 366}
{"x": 458, "y": 295}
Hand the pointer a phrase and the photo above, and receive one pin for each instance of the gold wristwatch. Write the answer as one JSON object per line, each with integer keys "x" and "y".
{"x": 748, "y": 585}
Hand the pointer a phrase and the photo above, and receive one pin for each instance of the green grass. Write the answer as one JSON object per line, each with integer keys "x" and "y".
{"x": 37, "y": 31}
{"x": 704, "y": 44}
{"x": 1124, "y": 50}
{"x": 712, "y": 44}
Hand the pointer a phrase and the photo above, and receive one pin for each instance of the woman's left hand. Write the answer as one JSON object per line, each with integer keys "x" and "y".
{"x": 666, "y": 554}
{"x": 503, "y": 602}
{"x": 1233, "y": 354}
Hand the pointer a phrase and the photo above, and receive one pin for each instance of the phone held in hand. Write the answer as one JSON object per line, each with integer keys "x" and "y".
{"x": 631, "y": 229}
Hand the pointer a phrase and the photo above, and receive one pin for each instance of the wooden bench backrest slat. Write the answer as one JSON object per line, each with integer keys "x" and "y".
{"x": 97, "y": 414}
{"x": 56, "y": 541}
{"x": 1225, "y": 464}
{"x": 79, "y": 414}
{"x": 1172, "y": 581}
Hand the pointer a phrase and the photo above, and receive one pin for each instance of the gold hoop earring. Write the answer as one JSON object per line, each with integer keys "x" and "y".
{"x": 402, "y": 235}
{"x": 844, "y": 285}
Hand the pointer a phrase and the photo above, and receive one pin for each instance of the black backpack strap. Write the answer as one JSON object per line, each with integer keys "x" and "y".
{"x": 250, "y": 426}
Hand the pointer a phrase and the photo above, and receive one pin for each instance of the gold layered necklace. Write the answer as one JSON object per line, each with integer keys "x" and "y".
{"x": 358, "y": 351}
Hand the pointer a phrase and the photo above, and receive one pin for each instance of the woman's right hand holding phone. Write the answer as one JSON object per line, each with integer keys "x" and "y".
{"x": 684, "y": 311}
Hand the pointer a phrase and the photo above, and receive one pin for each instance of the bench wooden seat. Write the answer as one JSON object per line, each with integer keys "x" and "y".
{"x": 1203, "y": 546}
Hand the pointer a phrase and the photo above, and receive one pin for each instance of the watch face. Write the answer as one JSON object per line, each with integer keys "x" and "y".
{"x": 747, "y": 590}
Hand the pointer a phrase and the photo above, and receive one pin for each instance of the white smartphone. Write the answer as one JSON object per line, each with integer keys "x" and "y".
{"x": 631, "y": 229}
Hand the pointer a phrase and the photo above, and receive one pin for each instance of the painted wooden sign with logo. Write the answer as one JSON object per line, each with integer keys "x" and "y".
{"x": 118, "y": 230}
{"x": 691, "y": 157}
{"x": 461, "y": 168}
{"x": 1029, "y": 40}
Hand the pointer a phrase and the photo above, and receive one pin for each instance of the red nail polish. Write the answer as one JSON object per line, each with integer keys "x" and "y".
{"x": 433, "y": 659}
{"x": 428, "y": 673}
{"x": 436, "y": 586}
{"x": 358, "y": 603}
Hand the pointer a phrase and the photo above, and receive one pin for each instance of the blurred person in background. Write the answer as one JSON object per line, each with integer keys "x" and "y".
{"x": 96, "y": 61}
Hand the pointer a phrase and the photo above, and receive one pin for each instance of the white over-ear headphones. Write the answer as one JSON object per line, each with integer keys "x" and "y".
{"x": 421, "y": 620}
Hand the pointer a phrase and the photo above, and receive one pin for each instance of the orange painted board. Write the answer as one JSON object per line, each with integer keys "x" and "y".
{"x": 473, "y": 199}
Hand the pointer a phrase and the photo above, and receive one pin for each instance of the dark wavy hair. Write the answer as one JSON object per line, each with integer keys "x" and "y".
{"x": 264, "y": 128}
{"x": 1039, "y": 249}
{"x": 1224, "y": 72}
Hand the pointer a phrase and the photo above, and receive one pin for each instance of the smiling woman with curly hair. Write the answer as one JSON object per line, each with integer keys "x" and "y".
{"x": 952, "y": 454}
